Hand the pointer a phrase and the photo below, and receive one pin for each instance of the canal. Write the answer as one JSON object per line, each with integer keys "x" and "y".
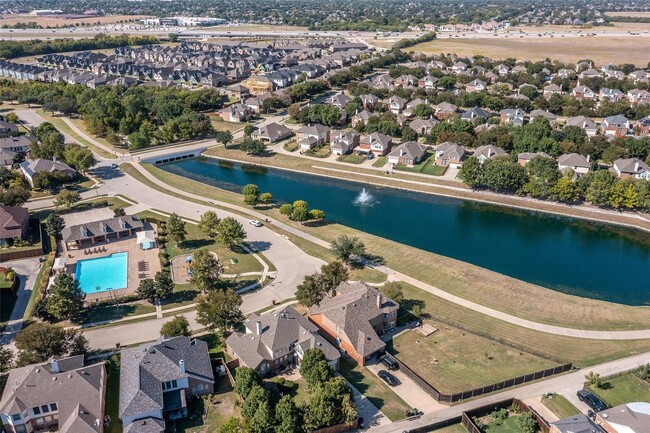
{"x": 572, "y": 256}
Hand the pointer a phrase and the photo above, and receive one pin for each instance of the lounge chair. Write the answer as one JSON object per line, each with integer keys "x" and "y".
{"x": 95, "y": 251}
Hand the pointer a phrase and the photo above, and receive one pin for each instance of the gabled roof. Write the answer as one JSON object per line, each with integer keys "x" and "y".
{"x": 489, "y": 151}
{"x": 577, "y": 424}
{"x": 273, "y": 131}
{"x": 574, "y": 160}
{"x": 102, "y": 227}
{"x": 317, "y": 130}
{"x": 410, "y": 149}
{"x": 631, "y": 165}
{"x": 12, "y": 218}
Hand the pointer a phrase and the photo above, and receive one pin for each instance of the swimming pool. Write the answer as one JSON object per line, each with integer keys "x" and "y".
{"x": 103, "y": 273}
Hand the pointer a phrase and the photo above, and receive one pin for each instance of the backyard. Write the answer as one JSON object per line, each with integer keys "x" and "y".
{"x": 376, "y": 391}
{"x": 623, "y": 389}
{"x": 208, "y": 413}
{"x": 453, "y": 360}
{"x": 426, "y": 166}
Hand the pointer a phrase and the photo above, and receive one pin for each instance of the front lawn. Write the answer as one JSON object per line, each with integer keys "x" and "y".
{"x": 319, "y": 152}
{"x": 454, "y": 428}
{"x": 291, "y": 146}
{"x": 623, "y": 389}
{"x": 560, "y": 406}
{"x": 352, "y": 158}
{"x": 380, "y": 162}
{"x": 376, "y": 391}
{"x": 426, "y": 166}
{"x": 453, "y": 360}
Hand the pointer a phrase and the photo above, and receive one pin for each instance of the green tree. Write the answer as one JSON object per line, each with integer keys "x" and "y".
{"x": 503, "y": 175}
{"x": 543, "y": 175}
{"x": 262, "y": 419}
{"x": 232, "y": 425}
{"x": 225, "y": 138}
{"x": 230, "y": 232}
{"x": 256, "y": 396}
{"x": 67, "y": 198}
{"x": 173, "y": 37}
{"x": 14, "y": 196}
{"x": 147, "y": 290}
{"x": 333, "y": 274}
{"x": 315, "y": 369}
{"x": 6, "y": 359}
{"x": 245, "y": 379}
{"x": 119, "y": 212}
{"x": 40, "y": 341}
{"x": 393, "y": 290}
{"x": 600, "y": 185}
{"x": 81, "y": 158}
{"x": 471, "y": 172}
{"x": 266, "y": 198}
{"x": 527, "y": 423}
{"x": 54, "y": 224}
{"x": 287, "y": 416}
{"x": 286, "y": 209}
{"x": 206, "y": 270}
{"x": 209, "y": 223}
{"x": 176, "y": 228}
{"x": 310, "y": 291}
{"x": 219, "y": 310}
{"x": 299, "y": 214}
{"x": 248, "y": 130}
{"x": 566, "y": 190}
{"x": 177, "y": 327}
{"x": 251, "y": 194}
{"x": 252, "y": 147}
{"x": 623, "y": 195}
{"x": 422, "y": 111}
{"x": 316, "y": 215}
{"x": 163, "y": 284}
{"x": 65, "y": 298}
{"x": 594, "y": 379}
{"x": 345, "y": 247}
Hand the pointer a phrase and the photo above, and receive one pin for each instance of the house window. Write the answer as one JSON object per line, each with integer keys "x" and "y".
{"x": 385, "y": 315}
{"x": 37, "y": 411}
{"x": 170, "y": 385}
{"x": 53, "y": 407}
{"x": 45, "y": 409}
{"x": 15, "y": 417}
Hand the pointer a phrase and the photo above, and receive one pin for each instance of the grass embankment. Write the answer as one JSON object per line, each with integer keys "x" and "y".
{"x": 560, "y": 406}
{"x": 540, "y": 304}
{"x": 113, "y": 394}
{"x": 485, "y": 287}
{"x": 623, "y": 389}
{"x": 376, "y": 391}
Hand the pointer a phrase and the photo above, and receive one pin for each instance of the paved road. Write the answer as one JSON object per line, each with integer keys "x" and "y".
{"x": 27, "y": 270}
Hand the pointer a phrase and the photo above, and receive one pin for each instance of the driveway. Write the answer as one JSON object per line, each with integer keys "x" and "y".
{"x": 408, "y": 390}
{"x": 372, "y": 417}
{"x": 26, "y": 269}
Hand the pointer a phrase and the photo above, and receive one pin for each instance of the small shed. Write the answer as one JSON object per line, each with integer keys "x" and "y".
{"x": 146, "y": 239}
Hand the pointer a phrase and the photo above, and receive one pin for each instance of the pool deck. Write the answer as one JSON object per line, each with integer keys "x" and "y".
{"x": 142, "y": 264}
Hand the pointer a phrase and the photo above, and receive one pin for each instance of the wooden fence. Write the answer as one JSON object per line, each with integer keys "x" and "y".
{"x": 452, "y": 398}
{"x": 338, "y": 428}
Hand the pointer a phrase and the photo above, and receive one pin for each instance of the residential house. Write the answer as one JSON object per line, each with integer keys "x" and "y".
{"x": 340, "y": 101}
{"x": 576, "y": 162}
{"x": 18, "y": 144}
{"x": 255, "y": 104}
{"x": 158, "y": 379}
{"x": 344, "y": 142}
{"x": 360, "y": 118}
{"x": 638, "y": 96}
{"x": 444, "y": 109}
{"x": 450, "y": 154}
{"x": 312, "y": 136}
{"x": 476, "y": 86}
{"x": 376, "y": 143}
{"x": 639, "y": 75}
{"x": 513, "y": 116}
{"x": 612, "y": 95}
{"x": 409, "y": 153}
{"x": 272, "y": 342}
{"x": 271, "y": 133}
{"x": 502, "y": 69}
{"x": 552, "y": 118}
{"x": 525, "y": 157}
{"x": 459, "y": 67}
{"x": 583, "y": 92}
{"x": 29, "y": 169}
{"x": 237, "y": 91}
{"x": 354, "y": 320}
{"x": 235, "y": 113}
{"x": 7, "y": 128}
{"x": 631, "y": 167}
{"x": 580, "y": 423}
{"x": 618, "y": 126}
{"x": 423, "y": 126}
{"x": 258, "y": 84}
{"x": 566, "y": 73}
{"x": 63, "y": 395}
{"x": 589, "y": 73}
{"x": 483, "y": 153}
{"x": 369, "y": 102}
{"x": 88, "y": 234}
{"x": 588, "y": 125}
{"x": 14, "y": 222}
{"x": 474, "y": 114}
{"x": 7, "y": 157}
{"x": 410, "y": 106}
{"x": 551, "y": 89}
{"x": 396, "y": 104}
{"x": 428, "y": 82}
{"x": 642, "y": 126}
{"x": 626, "y": 418}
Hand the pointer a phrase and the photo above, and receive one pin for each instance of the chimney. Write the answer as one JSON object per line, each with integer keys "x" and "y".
{"x": 181, "y": 365}
{"x": 379, "y": 301}
{"x": 258, "y": 327}
{"x": 54, "y": 364}
{"x": 636, "y": 166}
{"x": 588, "y": 158}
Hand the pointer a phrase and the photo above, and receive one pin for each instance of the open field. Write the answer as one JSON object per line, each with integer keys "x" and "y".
{"x": 453, "y": 360}
{"x": 59, "y": 21}
{"x": 485, "y": 287}
{"x": 636, "y": 14}
{"x": 374, "y": 389}
{"x": 623, "y": 389}
{"x": 258, "y": 28}
{"x": 569, "y": 49}
{"x": 597, "y": 313}
{"x": 560, "y": 406}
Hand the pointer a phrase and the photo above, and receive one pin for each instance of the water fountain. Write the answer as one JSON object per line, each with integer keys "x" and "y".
{"x": 364, "y": 199}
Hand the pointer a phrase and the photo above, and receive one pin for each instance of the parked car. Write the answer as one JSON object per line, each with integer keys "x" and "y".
{"x": 388, "y": 378}
{"x": 255, "y": 223}
{"x": 114, "y": 166}
{"x": 389, "y": 362}
{"x": 591, "y": 400}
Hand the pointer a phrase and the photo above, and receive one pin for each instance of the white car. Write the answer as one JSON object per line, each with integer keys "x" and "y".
{"x": 256, "y": 223}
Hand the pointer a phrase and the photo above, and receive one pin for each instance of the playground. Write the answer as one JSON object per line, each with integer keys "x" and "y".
{"x": 182, "y": 268}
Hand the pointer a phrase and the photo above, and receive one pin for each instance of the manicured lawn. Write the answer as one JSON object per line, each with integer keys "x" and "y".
{"x": 623, "y": 389}
{"x": 296, "y": 389}
{"x": 367, "y": 274}
{"x": 222, "y": 125}
{"x": 93, "y": 203}
{"x": 426, "y": 166}
{"x": 455, "y": 428}
{"x": 219, "y": 407}
{"x": 113, "y": 312}
{"x": 113, "y": 394}
{"x": 509, "y": 425}
{"x": 319, "y": 152}
{"x": 352, "y": 158}
{"x": 453, "y": 360}
{"x": 560, "y": 406}
{"x": 291, "y": 146}
{"x": 215, "y": 346}
{"x": 374, "y": 390}
{"x": 380, "y": 162}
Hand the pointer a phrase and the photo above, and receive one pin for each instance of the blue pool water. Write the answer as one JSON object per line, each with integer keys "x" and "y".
{"x": 102, "y": 274}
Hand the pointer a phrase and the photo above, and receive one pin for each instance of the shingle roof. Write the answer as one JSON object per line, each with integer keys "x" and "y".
{"x": 77, "y": 390}
{"x": 573, "y": 160}
{"x": 410, "y": 149}
{"x": 273, "y": 131}
{"x": 146, "y": 367}
{"x": 12, "y": 220}
{"x": 577, "y": 424}
{"x": 99, "y": 228}
{"x": 146, "y": 425}
{"x": 351, "y": 311}
{"x": 629, "y": 165}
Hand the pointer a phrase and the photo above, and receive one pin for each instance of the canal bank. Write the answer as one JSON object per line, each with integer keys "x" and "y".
{"x": 485, "y": 287}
